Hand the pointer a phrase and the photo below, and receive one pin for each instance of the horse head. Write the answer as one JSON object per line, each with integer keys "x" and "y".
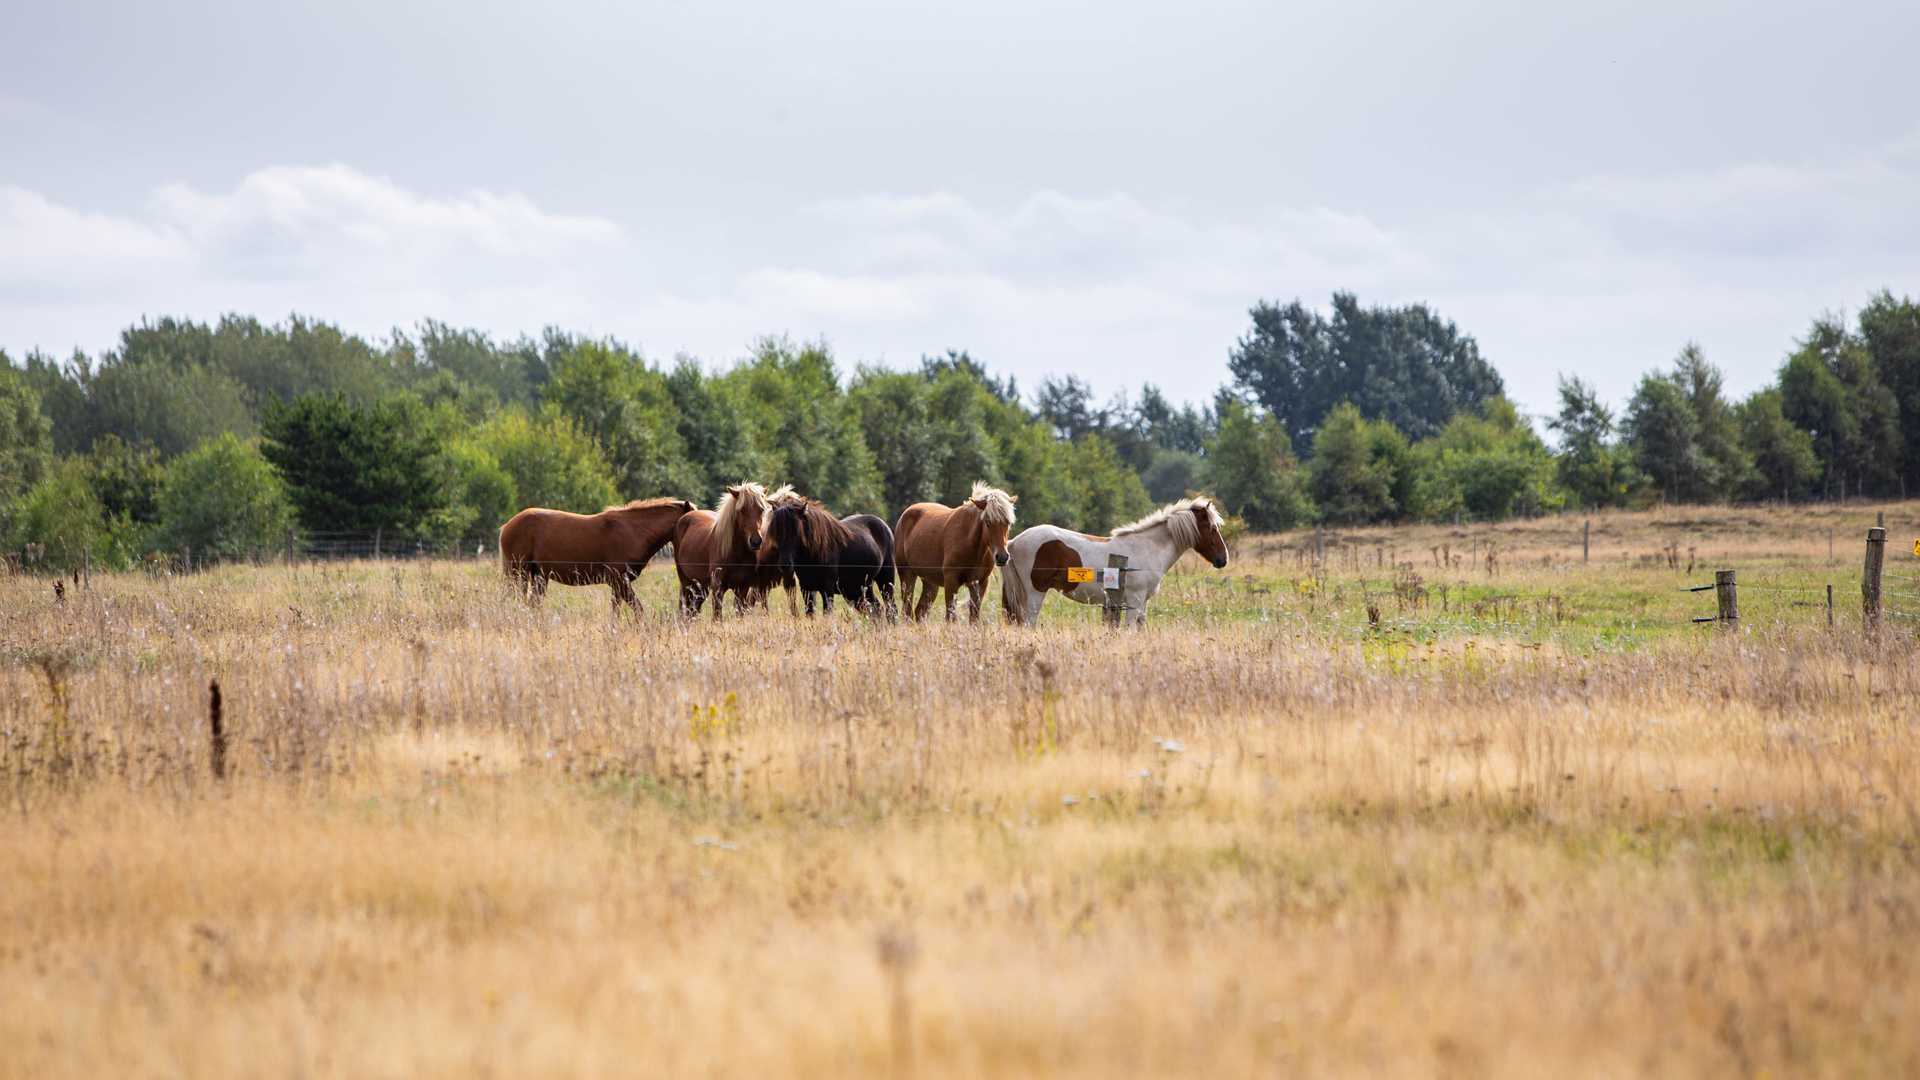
{"x": 744, "y": 511}
{"x": 995, "y": 508}
{"x": 1207, "y": 539}
{"x": 784, "y": 531}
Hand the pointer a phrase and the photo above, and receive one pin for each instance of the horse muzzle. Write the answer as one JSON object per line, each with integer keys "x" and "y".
{"x": 753, "y": 543}
{"x": 1000, "y": 558}
{"x": 1220, "y": 563}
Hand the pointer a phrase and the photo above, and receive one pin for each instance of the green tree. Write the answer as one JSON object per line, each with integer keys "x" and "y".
{"x": 171, "y": 408}
{"x": 26, "y": 440}
{"x": 1407, "y": 366}
{"x": 1104, "y": 492}
{"x": 1594, "y": 470}
{"x": 1830, "y": 387}
{"x": 1173, "y": 474}
{"x": 1664, "y": 435}
{"x": 805, "y": 431}
{"x": 62, "y": 513}
{"x": 713, "y": 432}
{"x": 1890, "y": 330}
{"x": 550, "y": 461}
{"x": 1784, "y": 462}
{"x": 1351, "y": 476}
{"x": 1488, "y": 465}
{"x": 897, "y": 426}
{"x": 359, "y": 468}
{"x": 1717, "y": 432}
{"x": 628, "y": 408}
{"x": 223, "y": 500}
{"x": 483, "y": 495}
{"x": 1253, "y": 469}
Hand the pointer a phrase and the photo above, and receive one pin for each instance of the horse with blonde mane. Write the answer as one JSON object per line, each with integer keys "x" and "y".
{"x": 1042, "y": 557}
{"x": 717, "y": 550}
{"x": 948, "y": 547}
{"x": 608, "y": 548}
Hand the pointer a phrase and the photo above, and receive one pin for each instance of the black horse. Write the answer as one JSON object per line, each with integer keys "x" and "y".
{"x": 850, "y": 557}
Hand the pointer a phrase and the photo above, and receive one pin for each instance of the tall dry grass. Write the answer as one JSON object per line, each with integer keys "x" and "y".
{"x": 459, "y": 836}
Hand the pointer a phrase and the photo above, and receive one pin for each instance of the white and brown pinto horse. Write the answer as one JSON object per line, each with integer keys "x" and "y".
{"x": 1040, "y": 558}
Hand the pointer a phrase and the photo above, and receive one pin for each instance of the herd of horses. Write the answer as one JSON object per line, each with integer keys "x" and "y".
{"x": 753, "y": 540}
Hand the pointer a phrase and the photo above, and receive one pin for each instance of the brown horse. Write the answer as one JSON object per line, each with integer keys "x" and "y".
{"x": 608, "y": 548}
{"x": 945, "y": 547}
{"x": 719, "y": 550}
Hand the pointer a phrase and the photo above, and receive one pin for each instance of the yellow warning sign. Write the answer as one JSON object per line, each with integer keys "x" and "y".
{"x": 1916, "y": 547}
{"x": 1079, "y": 574}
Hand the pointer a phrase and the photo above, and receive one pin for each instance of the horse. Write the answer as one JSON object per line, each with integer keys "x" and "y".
{"x": 608, "y": 548}
{"x": 848, "y": 556}
{"x": 946, "y": 547}
{"x": 1043, "y": 555}
{"x": 718, "y": 550}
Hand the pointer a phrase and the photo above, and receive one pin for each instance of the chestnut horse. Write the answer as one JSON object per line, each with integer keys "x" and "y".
{"x": 946, "y": 547}
{"x": 719, "y": 550}
{"x": 608, "y": 548}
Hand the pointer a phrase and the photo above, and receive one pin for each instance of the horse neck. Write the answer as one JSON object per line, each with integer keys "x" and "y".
{"x": 654, "y": 523}
{"x": 1155, "y": 546}
{"x": 973, "y": 529}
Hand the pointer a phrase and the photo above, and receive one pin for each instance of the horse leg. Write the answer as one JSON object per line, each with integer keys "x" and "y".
{"x": 623, "y": 594}
{"x": 950, "y": 590}
{"x": 929, "y": 589}
{"x": 975, "y": 589}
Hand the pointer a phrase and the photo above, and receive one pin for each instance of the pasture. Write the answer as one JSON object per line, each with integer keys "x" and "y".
{"x": 1329, "y": 816}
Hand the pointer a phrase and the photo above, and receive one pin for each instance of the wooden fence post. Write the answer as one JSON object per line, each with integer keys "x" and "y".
{"x": 216, "y": 733}
{"x": 186, "y": 556}
{"x": 289, "y": 547}
{"x": 376, "y": 541}
{"x": 1586, "y": 536}
{"x": 1727, "y": 593}
{"x": 1116, "y": 602}
{"x": 1870, "y": 579}
{"x": 1829, "y": 605}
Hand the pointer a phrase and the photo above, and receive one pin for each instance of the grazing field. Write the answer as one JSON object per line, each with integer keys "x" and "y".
{"x": 1323, "y": 814}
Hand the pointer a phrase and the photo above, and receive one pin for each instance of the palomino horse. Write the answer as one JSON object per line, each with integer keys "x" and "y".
{"x": 608, "y": 548}
{"x": 848, "y": 556}
{"x": 1043, "y": 555}
{"x": 717, "y": 550}
{"x": 947, "y": 547}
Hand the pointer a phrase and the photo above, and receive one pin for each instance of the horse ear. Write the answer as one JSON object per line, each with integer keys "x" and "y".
{"x": 1013, "y": 498}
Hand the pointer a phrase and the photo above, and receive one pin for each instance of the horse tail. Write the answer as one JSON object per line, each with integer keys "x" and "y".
{"x": 1014, "y": 590}
{"x": 889, "y": 571}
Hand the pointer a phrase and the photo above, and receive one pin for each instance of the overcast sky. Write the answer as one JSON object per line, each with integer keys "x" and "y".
{"x": 1098, "y": 188}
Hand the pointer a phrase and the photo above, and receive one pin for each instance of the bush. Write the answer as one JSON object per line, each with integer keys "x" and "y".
{"x": 223, "y": 500}
{"x": 550, "y": 461}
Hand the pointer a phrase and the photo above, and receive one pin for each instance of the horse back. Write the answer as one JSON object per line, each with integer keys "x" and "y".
{"x": 918, "y": 540}
{"x": 693, "y": 544}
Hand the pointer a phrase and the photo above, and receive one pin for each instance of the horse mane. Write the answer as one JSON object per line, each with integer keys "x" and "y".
{"x": 999, "y": 508}
{"x": 648, "y": 504}
{"x": 1179, "y": 518}
{"x": 820, "y": 530}
{"x": 784, "y": 494}
{"x": 747, "y": 492}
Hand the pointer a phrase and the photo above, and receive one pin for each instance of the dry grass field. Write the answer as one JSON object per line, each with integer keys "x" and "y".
{"x": 1524, "y": 819}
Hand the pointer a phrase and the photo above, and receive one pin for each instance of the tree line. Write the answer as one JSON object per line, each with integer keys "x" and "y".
{"x": 226, "y": 437}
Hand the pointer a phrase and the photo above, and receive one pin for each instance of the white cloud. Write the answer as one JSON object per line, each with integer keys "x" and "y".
{"x": 1607, "y": 276}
